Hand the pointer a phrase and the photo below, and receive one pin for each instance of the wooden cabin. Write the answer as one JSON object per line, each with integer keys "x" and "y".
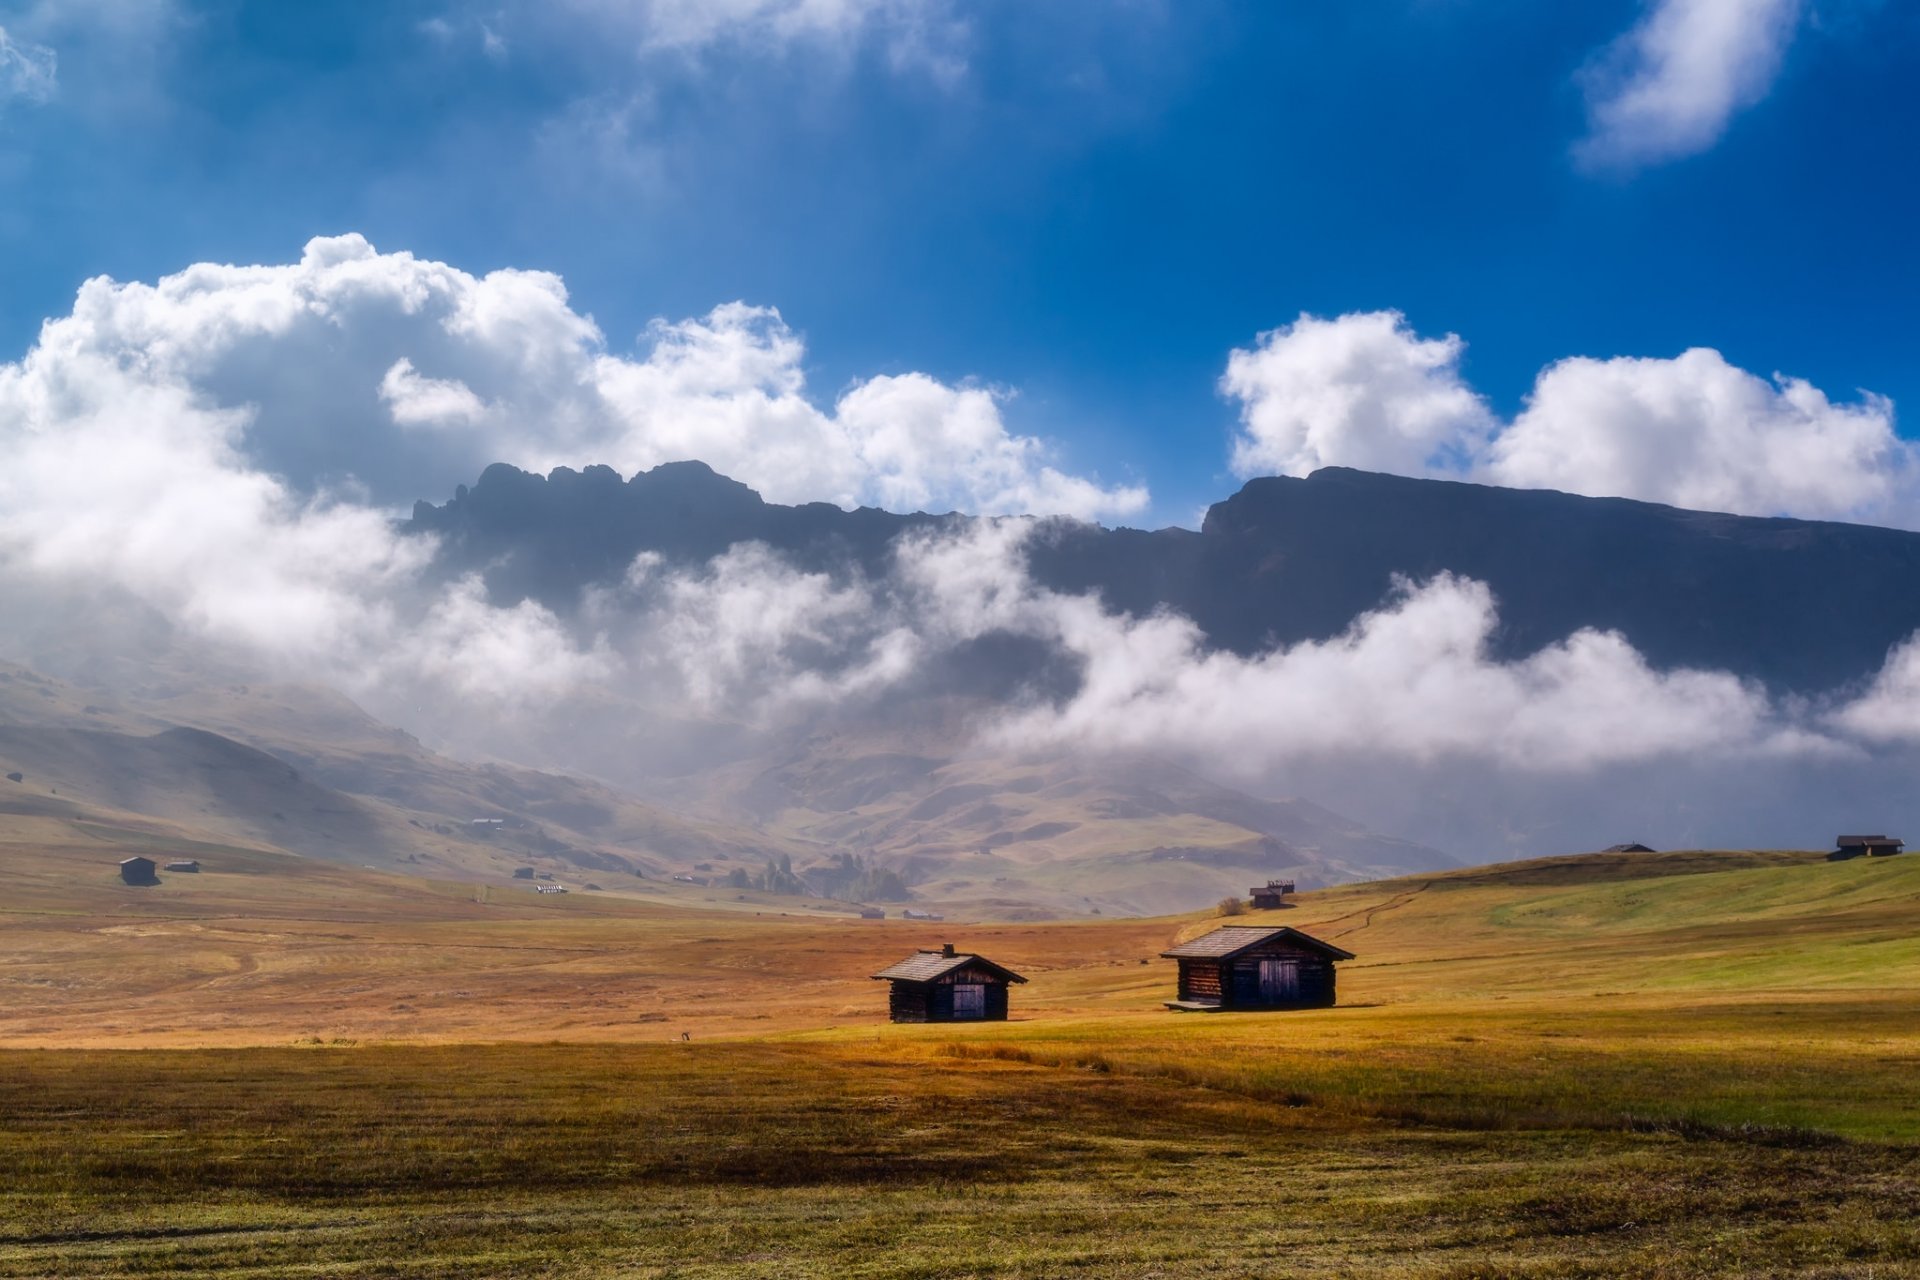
{"x": 1271, "y": 895}
{"x": 1630, "y": 847}
{"x": 138, "y": 870}
{"x": 188, "y": 865}
{"x": 947, "y": 986}
{"x": 1865, "y": 847}
{"x": 1255, "y": 967}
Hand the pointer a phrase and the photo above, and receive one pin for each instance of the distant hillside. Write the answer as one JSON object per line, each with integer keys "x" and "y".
{"x": 1011, "y": 836}
{"x": 1285, "y": 560}
{"x": 306, "y": 770}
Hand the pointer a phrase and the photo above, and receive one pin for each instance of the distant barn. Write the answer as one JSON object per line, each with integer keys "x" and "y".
{"x": 1271, "y": 895}
{"x": 1865, "y": 847}
{"x": 947, "y": 986}
{"x": 187, "y": 865}
{"x": 1629, "y": 848}
{"x": 1255, "y": 967}
{"x": 138, "y": 870}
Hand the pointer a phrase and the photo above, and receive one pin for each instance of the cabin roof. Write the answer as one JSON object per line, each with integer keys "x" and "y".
{"x": 931, "y": 966}
{"x": 1867, "y": 840}
{"x": 127, "y": 862}
{"x": 1231, "y": 940}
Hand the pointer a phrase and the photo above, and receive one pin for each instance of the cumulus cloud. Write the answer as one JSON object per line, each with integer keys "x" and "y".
{"x": 1695, "y": 431}
{"x": 27, "y": 70}
{"x": 1365, "y": 390}
{"x": 1669, "y": 87}
{"x": 328, "y": 355}
{"x": 1360, "y": 391}
{"x": 220, "y": 447}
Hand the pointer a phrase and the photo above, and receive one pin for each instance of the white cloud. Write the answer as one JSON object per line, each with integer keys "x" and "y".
{"x": 28, "y": 71}
{"x": 1888, "y": 711}
{"x": 327, "y": 355}
{"x": 1669, "y": 87}
{"x": 916, "y": 36}
{"x": 417, "y": 401}
{"x": 207, "y": 445}
{"x": 1365, "y": 390}
{"x": 752, "y": 636}
{"x": 1414, "y": 680}
{"x": 1360, "y": 391}
{"x": 1695, "y": 431}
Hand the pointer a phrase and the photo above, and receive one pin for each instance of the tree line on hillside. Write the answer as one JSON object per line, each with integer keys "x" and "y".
{"x": 847, "y": 876}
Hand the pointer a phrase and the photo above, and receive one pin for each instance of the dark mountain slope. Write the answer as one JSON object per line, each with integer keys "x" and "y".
{"x": 1804, "y": 605}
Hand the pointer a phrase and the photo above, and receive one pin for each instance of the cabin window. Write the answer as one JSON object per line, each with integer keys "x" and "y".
{"x": 969, "y": 1000}
{"x": 1279, "y": 980}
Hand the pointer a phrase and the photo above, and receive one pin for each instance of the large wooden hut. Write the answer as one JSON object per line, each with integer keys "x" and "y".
{"x": 947, "y": 986}
{"x": 1255, "y": 967}
{"x": 138, "y": 870}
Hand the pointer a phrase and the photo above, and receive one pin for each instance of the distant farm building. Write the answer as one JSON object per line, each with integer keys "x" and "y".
{"x": 910, "y": 914}
{"x": 872, "y": 913}
{"x": 523, "y": 873}
{"x": 1271, "y": 895}
{"x": 138, "y": 870}
{"x": 1255, "y": 967}
{"x": 947, "y": 986}
{"x": 1629, "y": 848}
{"x": 16, "y": 777}
{"x": 1865, "y": 847}
{"x": 187, "y": 865}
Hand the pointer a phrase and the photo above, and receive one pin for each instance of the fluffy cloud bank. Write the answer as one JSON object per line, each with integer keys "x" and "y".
{"x": 402, "y": 375}
{"x": 1365, "y": 390}
{"x": 1669, "y": 87}
{"x": 1414, "y": 680}
{"x": 222, "y": 446}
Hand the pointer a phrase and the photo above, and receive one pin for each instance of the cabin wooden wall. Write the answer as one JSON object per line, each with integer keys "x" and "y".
{"x": 1200, "y": 980}
{"x": 907, "y": 1001}
{"x": 1316, "y": 977}
{"x": 933, "y": 1001}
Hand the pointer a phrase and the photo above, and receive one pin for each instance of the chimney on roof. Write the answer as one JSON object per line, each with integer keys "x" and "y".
{"x": 946, "y": 948}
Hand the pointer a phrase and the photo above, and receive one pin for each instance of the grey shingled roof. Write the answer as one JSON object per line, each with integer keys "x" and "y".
{"x": 929, "y": 966}
{"x": 1231, "y": 940}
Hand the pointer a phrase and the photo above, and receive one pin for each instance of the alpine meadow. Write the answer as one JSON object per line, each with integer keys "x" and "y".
{"x": 951, "y": 639}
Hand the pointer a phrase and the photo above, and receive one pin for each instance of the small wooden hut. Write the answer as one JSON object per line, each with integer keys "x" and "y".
{"x": 1633, "y": 846}
{"x": 187, "y": 865}
{"x": 1255, "y": 967}
{"x": 138, "y": 870}
{"x": 1270, "y": 896}
{"x": 947, "y": 986}
{"x": 1866, "y": 847}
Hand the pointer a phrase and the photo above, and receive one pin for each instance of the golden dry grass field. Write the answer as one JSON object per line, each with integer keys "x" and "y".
{"x": 1681, "y": 1065}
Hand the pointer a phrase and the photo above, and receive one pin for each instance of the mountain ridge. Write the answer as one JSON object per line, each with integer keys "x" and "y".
{"x": 1282, "y": 560}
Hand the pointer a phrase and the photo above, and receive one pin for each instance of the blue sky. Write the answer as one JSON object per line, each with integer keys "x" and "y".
{"x": 1091, "y": 204}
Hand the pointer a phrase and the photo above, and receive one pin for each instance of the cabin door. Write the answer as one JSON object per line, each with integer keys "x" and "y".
{"x": 1279, "y": 981}
{"x": 969, "y": 1000}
